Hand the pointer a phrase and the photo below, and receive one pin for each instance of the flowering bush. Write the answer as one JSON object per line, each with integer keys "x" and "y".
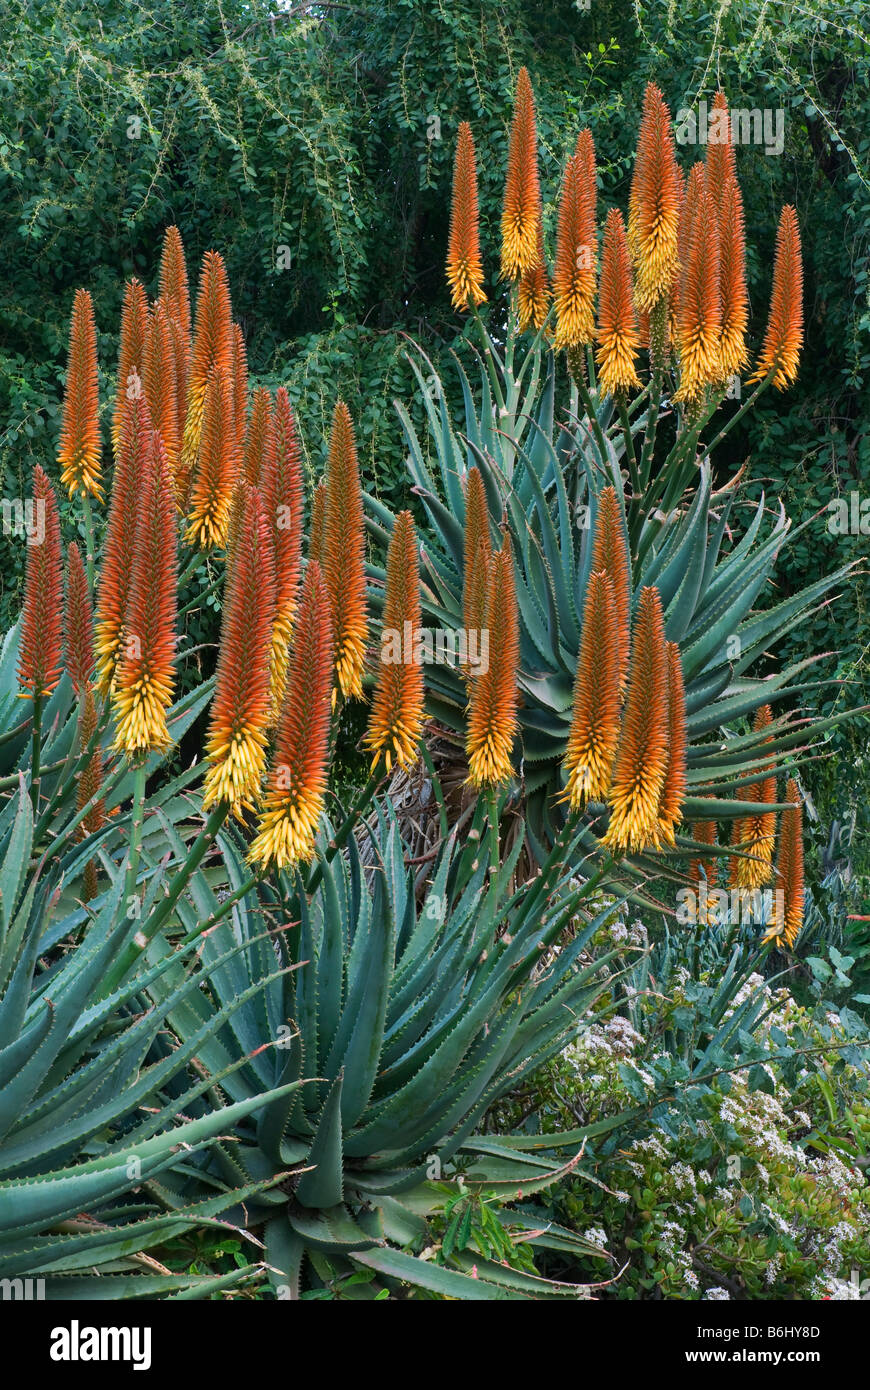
{"x": 751, "y": 1184}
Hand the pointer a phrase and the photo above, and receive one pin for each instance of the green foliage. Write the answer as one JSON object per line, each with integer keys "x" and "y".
{"x": 744, "y": 1175}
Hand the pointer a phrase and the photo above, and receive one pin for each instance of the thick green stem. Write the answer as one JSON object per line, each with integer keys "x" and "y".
{"x": 201, "y": 597}
{"x": 37, "y": 741}
{"x": 738, "y": 415}
{"x": 162, "y": 910}
{"x": 630, "y": 456}
{"x": 340, "y": 837}
{"x": 190, "y": 569}
{"x": 135, "y": 831}
{"x": 657, "y": 335}
{"x": 576, "y": 369}
{"x": 90, "y": 545}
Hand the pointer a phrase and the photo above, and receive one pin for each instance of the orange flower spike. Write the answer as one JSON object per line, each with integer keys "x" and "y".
{"x": 758, "y": 830}
{"x": 396, "y": 719}
{"x": 576, "y": 253}
{"x": 159, "y": 379}
{"x": 464, "y": 266}
{"x": 732, "y": 281}
{"x": 212, "y": 351}
{"x": 521, "y": 213}
{"x": 282, "y": 499}
{"x": 80, "y": 448}
{"x": 318, "y": 524}
{"x": 785, "y": 324}
{"x": 131, "y": 352}
{"x": 477, "y": 551}
{"x": 145, "y": 676}
{"x": 240, "y": 383}
{"x": 610, "y": 554}
{"x": 293, "y": 802}
{"x": 533, "y": 292}
{"x": 78, "y": 622}
{"x": 642, "y": 758}
{"x": 594, "y": 733}
{"x": 131, "y": 466}
{"x": 217, "y": 467}
{"x": 790, "y": 869}
{"x": 721, "y": 159}
{"x": 41, "y": 645}
{"x": 699, "y": 304}
{"x": 654, "y": 204}
{"x": 240, "y": 712}
{"x": 492, "y": 710}
{"x": 739, "y": 839}
{"x": 258, "y": 436}
{"x": 704, "y": 833}
{"x": 344, "y": 556}
{"x": 674, "y": 786}
{"x": 173, "y": 283}
{"x": 618, "y": 336}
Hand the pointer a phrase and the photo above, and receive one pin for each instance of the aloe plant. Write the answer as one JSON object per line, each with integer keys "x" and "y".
{"x": 92, "y": 1108}
{"x": 544, "y": 469}
{"x": 393, "y": 1025}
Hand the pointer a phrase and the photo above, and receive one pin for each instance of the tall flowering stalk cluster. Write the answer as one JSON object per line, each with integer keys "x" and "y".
{"x": 674, "y": 278}
{"x": 198, "y": 465}
{"x": 627, "y": 742}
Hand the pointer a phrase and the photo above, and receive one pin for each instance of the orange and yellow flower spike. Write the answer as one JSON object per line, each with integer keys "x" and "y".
{"x": 80, "y": 450}
{"x": 317, "y": 528}
{"x": 131, "y": 467}
{"x": 785, "y": 324}
{"x": 732, "y": 281}
{"x": 521, "y": 213}
{"x": 258, "y": 437}
{"x": 464, "y": 266}
{"x": 240, "y": 712}
{"x": 533, "y": 292}
{"x": 240, "y": 383}
{"x": 576, "y": 254}
{"x": 217, "y": 467}
{"x": 396, "y": 719}
{"x": 282, "y": 501}
{"x": 699, "y": 304}
{"x": 674, "y": 786}
{"x": 610, "y": 554}
{"x": 159, "y": 379}
{"x": 758, "y": 830}
{"x": 594, "y": 733}
{"x": 145, "y": 676}
{"x": 789, "y": 879}
{"x": 344, "y": 556}
{"x": 293, "y": 801}
{"x": 654, "y": 206}
{"x": 212, "y": 352}
{"x": 492, "y": 709}
{"x": 642, "y": 757}
{"x": 618, "y": 336}
{"x": 40, "y": 658}
{"x": 131, "y": 352}
{"x": 173, "y": 284}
